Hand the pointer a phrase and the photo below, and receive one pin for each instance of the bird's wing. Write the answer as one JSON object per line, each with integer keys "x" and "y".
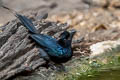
{"x": 27, "y": 23}
{"x": 44, "y": 40}
{"x": 50, "y": 44}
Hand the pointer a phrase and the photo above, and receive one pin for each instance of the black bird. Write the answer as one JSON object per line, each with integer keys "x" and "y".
{"x": 58, "y": 51}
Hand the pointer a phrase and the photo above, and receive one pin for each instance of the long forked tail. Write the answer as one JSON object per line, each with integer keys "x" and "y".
{"x": 24, "y": 20}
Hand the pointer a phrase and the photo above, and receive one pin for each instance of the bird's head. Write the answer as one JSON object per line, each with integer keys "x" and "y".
{"x": 64, "y": 35}
{"x": 66, "y": 38}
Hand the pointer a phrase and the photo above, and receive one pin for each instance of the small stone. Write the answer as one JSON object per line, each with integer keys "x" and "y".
{"x": 100, "y": 47}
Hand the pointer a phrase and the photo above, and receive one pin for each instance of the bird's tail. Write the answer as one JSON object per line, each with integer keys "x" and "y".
{"x": 24, "y": 20}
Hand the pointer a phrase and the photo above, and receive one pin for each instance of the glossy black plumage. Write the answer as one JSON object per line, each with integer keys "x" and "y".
{"x": 63, "y": 36}
{"x": 27, "y": 23}
{"x": 56, "y": 52}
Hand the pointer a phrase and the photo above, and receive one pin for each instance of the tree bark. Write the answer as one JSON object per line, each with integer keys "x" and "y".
{"x": 18, "y": 52}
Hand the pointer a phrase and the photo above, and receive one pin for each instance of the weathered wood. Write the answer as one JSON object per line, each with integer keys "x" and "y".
{"x": 18, "y": 52}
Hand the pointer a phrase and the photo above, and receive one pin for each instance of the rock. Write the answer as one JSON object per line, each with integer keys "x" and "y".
{"x": 101, "y": 47}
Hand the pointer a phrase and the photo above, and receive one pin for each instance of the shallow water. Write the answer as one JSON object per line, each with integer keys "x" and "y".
{"x": 105, "y": 75}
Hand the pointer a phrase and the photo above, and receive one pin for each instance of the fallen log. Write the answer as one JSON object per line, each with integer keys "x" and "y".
{"x": 18, "y": 53}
